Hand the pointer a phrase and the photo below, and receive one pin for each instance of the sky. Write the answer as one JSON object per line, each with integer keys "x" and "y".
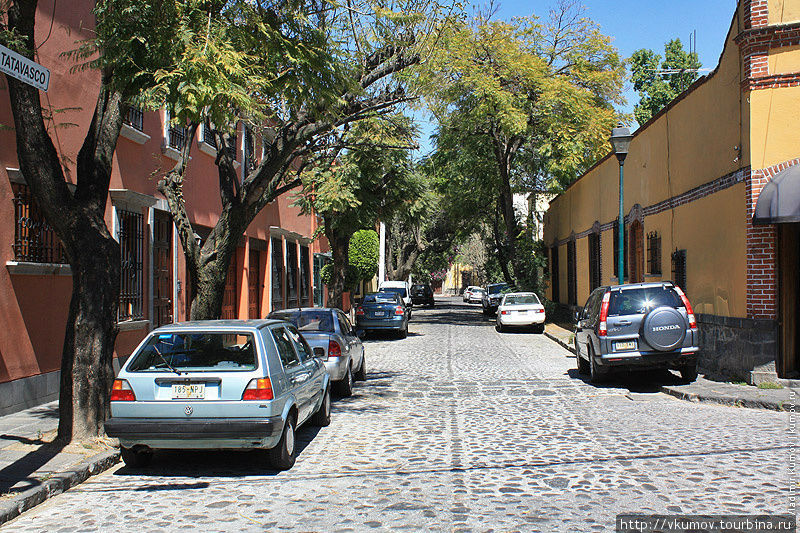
{"x": 635, "y": 24}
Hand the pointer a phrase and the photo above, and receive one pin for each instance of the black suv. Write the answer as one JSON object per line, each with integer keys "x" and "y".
{"x": 422, "y": 294}
{"x": 641, "y": 325}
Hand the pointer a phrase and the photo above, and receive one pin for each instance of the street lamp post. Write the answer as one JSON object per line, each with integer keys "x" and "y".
{"x": 620, "y": 141}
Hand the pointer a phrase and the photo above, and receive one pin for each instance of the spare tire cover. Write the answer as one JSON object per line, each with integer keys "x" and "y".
{"x": 664, "y": 328}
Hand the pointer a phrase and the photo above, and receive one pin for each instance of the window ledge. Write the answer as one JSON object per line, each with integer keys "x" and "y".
{"x": 130, "y": 325}
{"x": 137, "y": 136}
{"x": 207, "y": 148}
{"x": 171, "y": 152}
{"x": 38, "y": 269}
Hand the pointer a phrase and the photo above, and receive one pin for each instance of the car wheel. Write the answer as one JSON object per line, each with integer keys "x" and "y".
{"x": 134, "y": 458}
{"x": 538, "y": 328}
{"x": 596, "y": 374}
{"x": 689, "y": 372}
{"x": 499, "y": 327}
{"x": 583, "y": 364}
{"x": 282, "y": 456}
{"x": 345, "y": 386}
{"x": 404, "y": 332}
{"x": 361, "y": 375}
{"x": 322, "y": 417}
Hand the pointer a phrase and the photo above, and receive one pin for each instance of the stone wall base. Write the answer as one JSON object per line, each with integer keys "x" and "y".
{"x": 732, "y": 348}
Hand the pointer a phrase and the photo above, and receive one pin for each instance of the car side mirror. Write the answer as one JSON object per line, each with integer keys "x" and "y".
{"x": 578, "y": 315}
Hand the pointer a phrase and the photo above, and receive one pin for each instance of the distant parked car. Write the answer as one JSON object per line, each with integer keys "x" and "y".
{"x": 468, "y": 292}
{"x": 476, "y": 296}
{"x": 219, "y": 384}
{"x": 492, "y": 296}
{"x": 399, "y": 287}
{"x": 333, "y": 340}
{"x": 520, "y": 309}
{"x": 382, "y": 311}
{"x": 422, "y": 294}
{"x": 641, "y": 325}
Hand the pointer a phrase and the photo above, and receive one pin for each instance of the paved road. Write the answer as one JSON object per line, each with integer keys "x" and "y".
{"x": 457, "y": 428}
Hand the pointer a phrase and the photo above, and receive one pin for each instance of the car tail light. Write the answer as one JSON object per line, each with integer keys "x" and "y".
{"x": 602, "y": 330}
{"x": 334, "y": 350}
{"x": 121, "y": 391}
{"x": 258, "y": 389}
{"x": 360, "y": 311}
{"x": 540, "y": 310}
{"x": 399, "y": 310}
{"x": 504, "y": 312}
{"x": 688, "y": 306}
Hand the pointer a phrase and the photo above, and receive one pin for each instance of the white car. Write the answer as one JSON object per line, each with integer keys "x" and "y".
{"x": 468, "y": 292}
{"x": 521, "y": 309}
{"x": 476, "y": 296}
{"x": 400, "y": 287}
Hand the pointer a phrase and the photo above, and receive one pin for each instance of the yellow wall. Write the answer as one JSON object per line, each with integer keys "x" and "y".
{"x": 694, "y": 142}
{"x": 775, "y": 115}
{"x": 783, "y": 11}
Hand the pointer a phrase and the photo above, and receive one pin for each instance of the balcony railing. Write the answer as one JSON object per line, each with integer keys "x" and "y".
{"x": 135, "y": 118}
{"x": 34, "y": 239}
{"x": 177, "y": 137}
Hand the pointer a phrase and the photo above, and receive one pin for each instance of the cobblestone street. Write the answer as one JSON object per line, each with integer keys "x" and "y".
{"x": 459, "y": 427}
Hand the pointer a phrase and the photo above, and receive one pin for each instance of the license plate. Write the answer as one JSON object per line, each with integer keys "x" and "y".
{"x": 522, "y": 312}
{"x": 188, "y": 391}
{"x": 627, "y": 345}
{"x": 378, "y": 315}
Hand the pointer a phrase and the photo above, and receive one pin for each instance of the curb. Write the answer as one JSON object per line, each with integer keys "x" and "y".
{"x": 730, "y": 400}
{"x": 560, "y": 342}
{"x": 57, "y": 484}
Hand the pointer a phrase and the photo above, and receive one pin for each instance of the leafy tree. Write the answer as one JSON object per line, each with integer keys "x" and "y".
{"x": 522, "y": 99}
{"x": 133, "y": 39}
{"x": 297, "y": 72}
{"x": 657, "y": 90}
{"x": 363, "y": 253}
{"x": 363, "y": 177}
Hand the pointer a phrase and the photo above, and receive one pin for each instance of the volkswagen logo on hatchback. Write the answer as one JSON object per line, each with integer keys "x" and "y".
{"x": 188, "y": 410}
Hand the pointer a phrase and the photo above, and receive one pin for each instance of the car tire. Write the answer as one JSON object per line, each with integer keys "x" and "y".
{"x": 135, "y": 458}
{"x": 322, "y": 417}
{"x": 538, "y": 328}
{"x": 404, "y": 332}
{"x": 361, "y": 375}
{"x": 345, "y": 385}
{"x": 596, "y": 374}
{"x": 499, "y": 327}
{"x": 689, "y": 372}
{"x": 283, "y": 455}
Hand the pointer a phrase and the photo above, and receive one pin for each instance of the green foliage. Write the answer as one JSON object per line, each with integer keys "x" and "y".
{"x": 657, "y": 90}
{"x": 363, "y": 253}
{"x": 325, "y": 273}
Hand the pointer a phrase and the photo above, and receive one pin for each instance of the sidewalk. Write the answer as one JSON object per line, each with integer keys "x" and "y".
{"x": 33, "y": 468}
{"x": 704, "y": 390}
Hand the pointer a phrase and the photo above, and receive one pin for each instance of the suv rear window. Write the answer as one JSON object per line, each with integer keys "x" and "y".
{"x": 639, "y": 301}
{"x": 198, "y": 352}
{"x": 307, "y": 320}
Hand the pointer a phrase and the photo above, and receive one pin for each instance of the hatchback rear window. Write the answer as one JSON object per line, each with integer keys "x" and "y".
{"x": 522, "y": 299}
{"x": 397, "y": 290}
{"x": 385, "y": 298}
{"x": 640, "y": 301}
{"x": 196, "y": 352}
{"x": 307, "y": 320}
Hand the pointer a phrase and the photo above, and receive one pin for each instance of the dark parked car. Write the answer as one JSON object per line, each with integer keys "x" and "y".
{"x": 333, "y": 340}
{"x": 492, "y": 297}
{"x": 383, "y": 311}
{"x": 641, "y": 325}
{"x": 422, "y": 294}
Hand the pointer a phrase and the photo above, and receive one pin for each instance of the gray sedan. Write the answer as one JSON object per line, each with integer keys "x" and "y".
{"x": 333, "y": 339}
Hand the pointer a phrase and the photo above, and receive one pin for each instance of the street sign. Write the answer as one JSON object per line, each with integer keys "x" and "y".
{"x": 24, "y": 69}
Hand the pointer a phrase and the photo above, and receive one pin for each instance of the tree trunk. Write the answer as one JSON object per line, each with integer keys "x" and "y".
{"x": 78, "y": 220}
{"x": 339, "y": 243}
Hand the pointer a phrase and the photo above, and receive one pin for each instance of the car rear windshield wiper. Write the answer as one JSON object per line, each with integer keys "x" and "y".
{"x": 165, "y": 361}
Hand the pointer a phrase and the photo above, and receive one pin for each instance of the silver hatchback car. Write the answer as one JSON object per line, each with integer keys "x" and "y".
{"x": 219, "y": 384}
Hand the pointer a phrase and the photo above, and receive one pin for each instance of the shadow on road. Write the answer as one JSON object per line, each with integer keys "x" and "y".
{"x": 639, "y": 381}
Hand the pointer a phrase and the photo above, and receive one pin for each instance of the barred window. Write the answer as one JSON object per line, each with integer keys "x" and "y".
{"x": 131, "y": 245}
{"x": 554, "y": 280}
{"x": 208, "y": 135}
{"x": 572, "y": 277}
{"x": 249, "y": 143}
{"x": 305, "y": 276}
{"x": 176, "y": 137}
{"x": 291, "y": 274}
{"x": 134, "y": 118}
{"x": 654, "y": 253}
{"x": 34, "y": 240}
{"x": 594, "y": 261}
{"x": 679, "y": 268}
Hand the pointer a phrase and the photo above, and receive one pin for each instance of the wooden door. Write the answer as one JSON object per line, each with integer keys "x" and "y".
{"x": 789, "y": 298}
{"x": 162, "y": 269}
{"x": 230, "y": 298}
{"x": 636, "y": 252}
{"x": 254, "y": 285}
